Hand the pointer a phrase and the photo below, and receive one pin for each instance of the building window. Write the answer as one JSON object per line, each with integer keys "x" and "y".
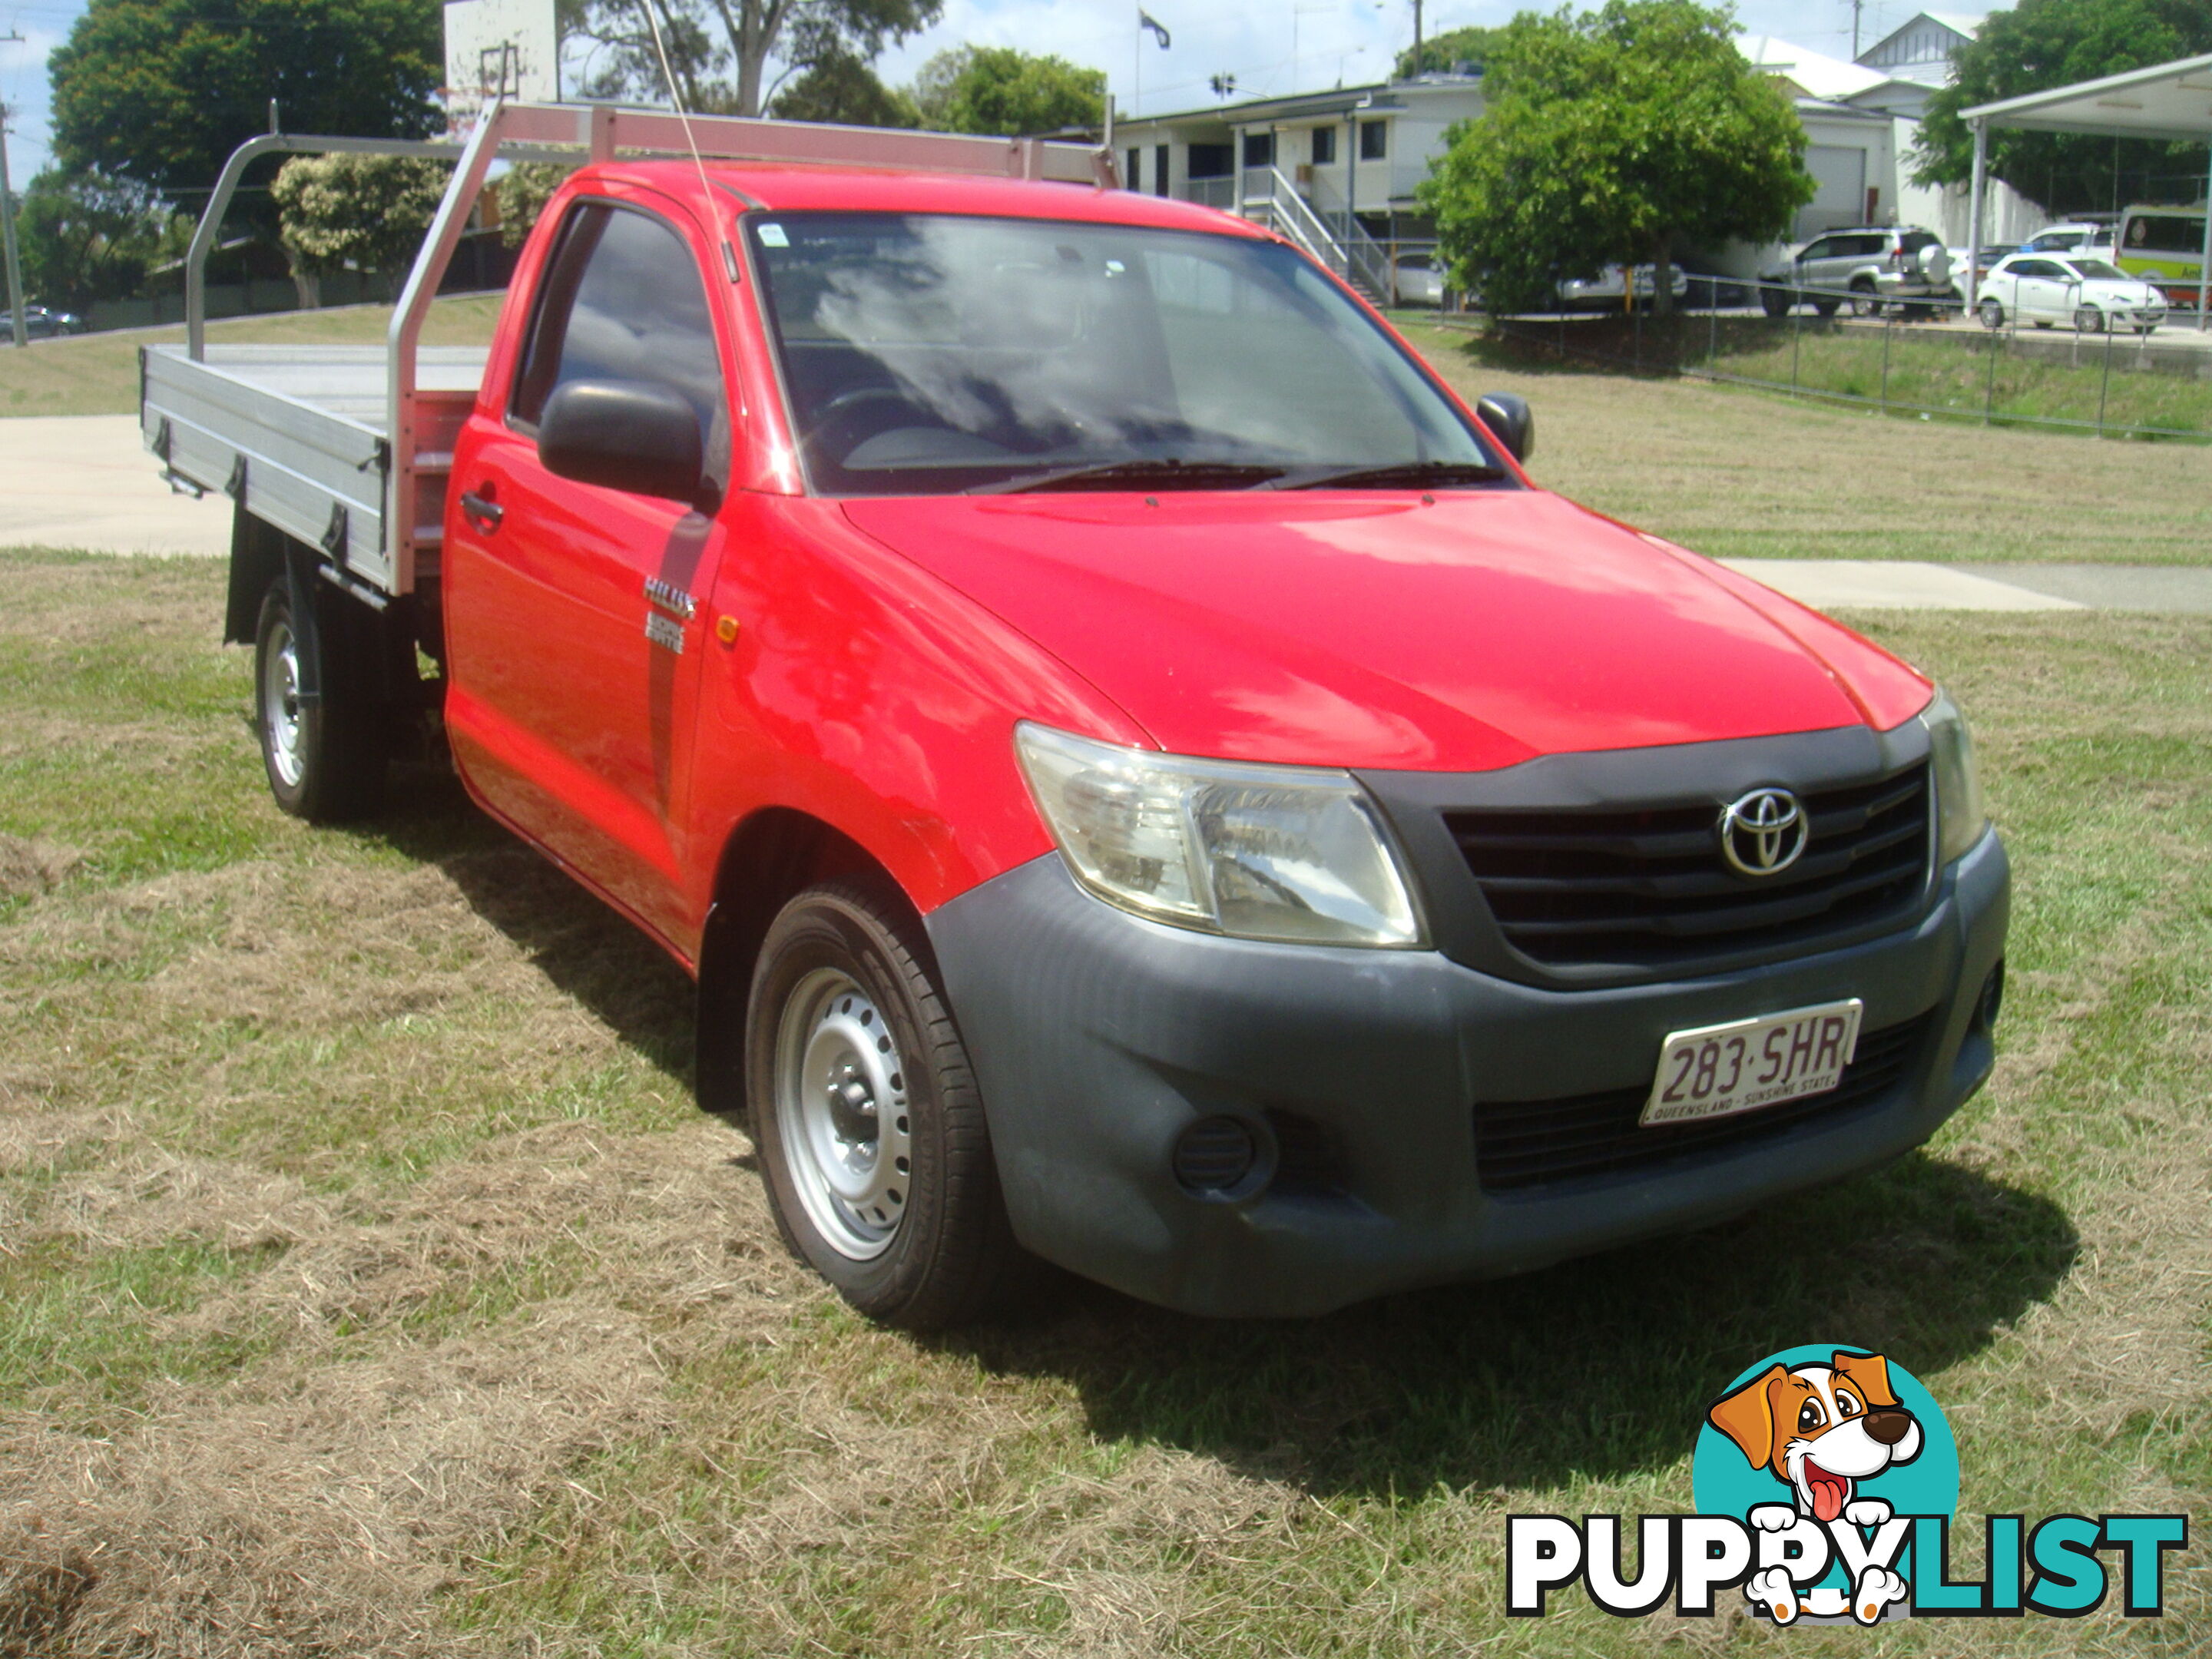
{"x": 1259, "y": 149}
{"x": 1212, "y": 160}
{"x": 1160, "y": 171}
{"x": 1135, "y": 179}
{"x": 1324, "y": 146}
{"x": 1373, "y": 140}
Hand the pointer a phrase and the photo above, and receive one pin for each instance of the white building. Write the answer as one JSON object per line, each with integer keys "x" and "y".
{"x": 1334, "y": 170}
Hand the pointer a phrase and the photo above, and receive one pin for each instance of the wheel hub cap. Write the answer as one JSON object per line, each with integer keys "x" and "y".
{"x": 840, "y": 1105}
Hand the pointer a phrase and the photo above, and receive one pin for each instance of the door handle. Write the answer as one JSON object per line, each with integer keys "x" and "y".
{"x": 482, "y": 510}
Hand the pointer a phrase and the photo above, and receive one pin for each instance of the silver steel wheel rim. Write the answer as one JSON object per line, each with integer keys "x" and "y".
{"x": 281, "y": 720}
{"x": 840, "y": 1111}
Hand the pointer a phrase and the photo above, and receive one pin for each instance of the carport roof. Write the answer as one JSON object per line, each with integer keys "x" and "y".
{"x": 2166, "y": 100}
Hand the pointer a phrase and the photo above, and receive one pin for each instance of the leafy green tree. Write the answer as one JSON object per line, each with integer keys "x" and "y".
{"x": 994, "y": 89}
{"x": 85, "y": 237}
{"x": 1613, "y": 136}
{"x": 160, "y": 92}
{"x": 365, "y": 211}
{"x": 522, "y": 192}
{"x": 841, "y": 88}
{"x": 719, "y": 50}
{"x": 2041, "y": 44}
{"x": 1440, "y": 51}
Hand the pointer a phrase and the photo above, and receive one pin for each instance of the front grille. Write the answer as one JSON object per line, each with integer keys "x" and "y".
{"x": 1647, "y": 889}
{"x": 1532, "y": 1142}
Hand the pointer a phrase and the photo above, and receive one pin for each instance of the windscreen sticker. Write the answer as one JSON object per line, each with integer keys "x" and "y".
{"x": 773, "y": 236}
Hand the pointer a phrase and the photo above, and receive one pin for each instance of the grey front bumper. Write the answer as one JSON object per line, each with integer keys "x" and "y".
{"x": 1098, "y": 1037}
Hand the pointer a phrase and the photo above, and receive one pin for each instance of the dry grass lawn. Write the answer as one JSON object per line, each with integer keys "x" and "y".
{"x": 1739, "y": 473}
{"x": 369, "y": 1286}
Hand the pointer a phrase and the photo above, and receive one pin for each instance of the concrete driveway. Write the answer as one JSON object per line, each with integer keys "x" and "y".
{"x": 86, "y": 481}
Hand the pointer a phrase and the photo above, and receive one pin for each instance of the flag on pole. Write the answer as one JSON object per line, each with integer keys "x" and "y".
{"x": 1146, "y": 20}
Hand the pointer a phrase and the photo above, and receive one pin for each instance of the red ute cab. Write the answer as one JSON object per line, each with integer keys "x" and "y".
{"x": 1144, "y": 779}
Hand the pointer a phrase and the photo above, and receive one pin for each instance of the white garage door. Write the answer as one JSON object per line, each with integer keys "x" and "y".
{"x": 1840, "y": 172}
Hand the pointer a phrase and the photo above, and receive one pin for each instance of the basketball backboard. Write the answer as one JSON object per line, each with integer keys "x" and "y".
{"x": 499, "y": 48}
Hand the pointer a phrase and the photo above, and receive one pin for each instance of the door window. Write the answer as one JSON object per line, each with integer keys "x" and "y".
{"x": 621, "y": 301}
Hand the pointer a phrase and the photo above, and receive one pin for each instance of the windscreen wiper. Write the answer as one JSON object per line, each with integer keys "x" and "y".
{"x": 1402, "y": 475}
{"x": 1145, "y": 474}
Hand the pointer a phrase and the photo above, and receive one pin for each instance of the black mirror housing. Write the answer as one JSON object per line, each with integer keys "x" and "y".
{"x": 1509, "y": 415}
{"x": 631, "y": 435}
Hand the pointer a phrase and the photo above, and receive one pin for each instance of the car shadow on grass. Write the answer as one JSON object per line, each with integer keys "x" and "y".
{"x": 1599, "y": 1368}
{"x": 584, "y": 948}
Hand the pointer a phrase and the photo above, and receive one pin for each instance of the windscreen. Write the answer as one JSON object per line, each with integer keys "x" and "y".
{"x": 925, "y": 354}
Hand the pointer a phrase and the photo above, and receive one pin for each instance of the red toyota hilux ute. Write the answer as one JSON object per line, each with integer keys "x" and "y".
{"x": 1144, "y": 779}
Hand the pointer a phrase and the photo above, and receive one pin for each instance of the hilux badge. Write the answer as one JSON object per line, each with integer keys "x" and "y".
{"x": 1763, "y": 834}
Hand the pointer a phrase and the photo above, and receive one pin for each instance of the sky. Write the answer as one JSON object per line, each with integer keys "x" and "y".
{"x": 1286, "y": 47}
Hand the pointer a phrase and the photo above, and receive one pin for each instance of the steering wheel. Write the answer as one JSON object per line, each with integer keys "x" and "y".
{"x": 848, "y": 411}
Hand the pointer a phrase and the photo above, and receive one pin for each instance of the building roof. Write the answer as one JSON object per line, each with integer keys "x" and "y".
{"x": 2165, "y": 100}
{"x": 1813, "y": 73}
{"x": 1388, "y": 96}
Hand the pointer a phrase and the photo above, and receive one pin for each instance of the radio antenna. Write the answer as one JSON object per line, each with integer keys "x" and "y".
{"x": 660, "y": 50}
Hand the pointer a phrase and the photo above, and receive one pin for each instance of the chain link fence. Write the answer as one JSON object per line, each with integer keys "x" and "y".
{"x": 1925, "y": 357}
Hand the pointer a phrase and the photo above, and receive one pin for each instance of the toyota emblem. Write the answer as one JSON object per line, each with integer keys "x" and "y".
{"x": 1764, "y": 833}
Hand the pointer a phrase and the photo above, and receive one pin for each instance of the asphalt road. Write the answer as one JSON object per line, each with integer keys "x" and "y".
{"x": 86, "y": 481}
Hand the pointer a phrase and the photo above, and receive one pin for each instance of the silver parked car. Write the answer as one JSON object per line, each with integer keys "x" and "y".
{"x": 1865, "y": 267}
{"x": 1607, "y": 288}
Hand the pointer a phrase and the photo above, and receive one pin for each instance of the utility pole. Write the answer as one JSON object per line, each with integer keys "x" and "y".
{"x": 1856, "y": 6}
{"x": 22, "y": 329}
{"x": 1417, "y": 39}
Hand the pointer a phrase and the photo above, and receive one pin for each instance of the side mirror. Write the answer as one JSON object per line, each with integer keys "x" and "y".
{"x": 1512, "y": 419}
{"x": 627, "y": 434}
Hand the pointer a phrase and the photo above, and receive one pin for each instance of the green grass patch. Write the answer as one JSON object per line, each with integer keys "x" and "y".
{"x": 505, "y": 1349}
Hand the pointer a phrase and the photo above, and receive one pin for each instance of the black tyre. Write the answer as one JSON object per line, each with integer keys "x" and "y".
{"x": 1827, "y": 307}
{"x": 1993, "y": 315}
{"x": 1774, "y": 302}
{"x": 872, "y": 1141}
{"x": 326, "y": 759}
{"x": 1863, "y": 301}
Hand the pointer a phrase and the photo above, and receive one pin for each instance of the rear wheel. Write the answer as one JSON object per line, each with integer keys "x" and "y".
{"x": 878, "y": 1160}
{"x": 1992, "y": 314}
{"x": 2087, "y": 320}
{"x": 325, "y": 755}
{"x": 1863, "y": 302}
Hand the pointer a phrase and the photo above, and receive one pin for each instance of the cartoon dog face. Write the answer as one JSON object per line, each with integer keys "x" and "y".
{"x": 1821, "y": 1429}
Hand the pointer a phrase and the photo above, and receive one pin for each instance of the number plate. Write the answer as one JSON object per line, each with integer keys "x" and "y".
{"x": 1717, "y": 1071}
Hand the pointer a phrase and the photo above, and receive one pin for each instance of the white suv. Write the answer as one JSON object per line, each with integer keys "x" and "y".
{"x": 1864, "y": 267}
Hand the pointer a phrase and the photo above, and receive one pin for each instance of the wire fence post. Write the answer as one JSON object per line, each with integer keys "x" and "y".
{"x": 1888, "y": 328}
{"x": 1989, "y": 390}
{"x": 2105, "y": 387}
{"x": 1713, "y": 327}
{"x": 1796, "y": 330}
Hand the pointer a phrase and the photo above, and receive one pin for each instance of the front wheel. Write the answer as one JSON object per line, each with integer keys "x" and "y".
{"x": 872, "y": 1139}
{"x": 1863, "y": 302}
{"x": 325, "y": 754}
{"x": 1774, "y": 302}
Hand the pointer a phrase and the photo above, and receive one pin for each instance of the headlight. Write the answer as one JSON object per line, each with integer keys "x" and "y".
{"x": 1960, "y": 814}
{"x": 1258, "y": 852}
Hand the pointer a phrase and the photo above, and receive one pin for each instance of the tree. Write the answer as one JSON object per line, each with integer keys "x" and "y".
{"x": 841, "y": 88}
{"x": 160, "y": 92}
{"x": 2041, "y": 44}
{"x": 87, "y": 237}
{"x": 1613, "y": 136}
{"x": 994, "y": 89}
{"x": 1440, "y": 51}
{"x": 368, "y": 212}
{"x": 719, "y": 50}
{"x": 522, "y": 192}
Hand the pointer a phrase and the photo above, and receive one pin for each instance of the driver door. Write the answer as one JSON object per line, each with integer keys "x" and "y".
{"x": 572, "y": 610}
